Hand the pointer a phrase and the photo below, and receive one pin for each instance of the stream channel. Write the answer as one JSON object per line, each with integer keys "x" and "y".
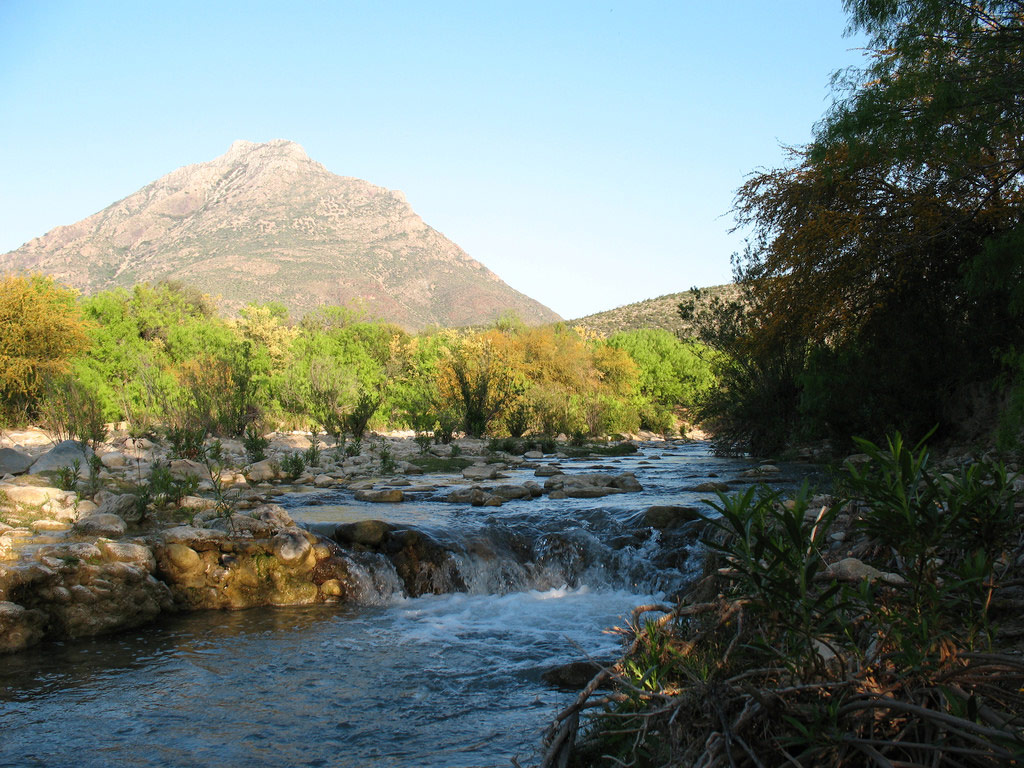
{"x": 445, "y": 680}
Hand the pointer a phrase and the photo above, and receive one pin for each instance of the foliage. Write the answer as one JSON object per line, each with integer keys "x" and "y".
{"x": 293, "y": 465}
{"x": 71, "y": 412}
{"x": 67, "y": 476}
{"x": 387, "y": 461}
{"x": 883, "y": 273}
{"x": 312, "y": 454}
{"x": 777, "y": 660}
{"x": 43, "y": 330}
{"x": 255, "y": 444}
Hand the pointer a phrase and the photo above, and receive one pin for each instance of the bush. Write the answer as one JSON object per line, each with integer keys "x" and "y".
{"x": 255, "y": 444}
{"x": 293, "y": 465}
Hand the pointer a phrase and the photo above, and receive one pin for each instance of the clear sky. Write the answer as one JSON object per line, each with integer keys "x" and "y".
{"x": 586, "y": 152}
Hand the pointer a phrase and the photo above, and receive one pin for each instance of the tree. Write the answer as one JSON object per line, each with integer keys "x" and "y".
{"x": 899, "y": 226}
{"x": 41, "y": 330}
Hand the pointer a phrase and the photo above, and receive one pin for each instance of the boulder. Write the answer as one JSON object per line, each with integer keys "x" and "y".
{"x": 852, "y": 570}
{"x": 113, "y": 459}
{"x": 274, "y": 514}
{"x": 268, "y": 469}
{"x": 367, "y": 533}
{"x": 185, "y": 468}
{"x": 712, "y": 486}
{"x": 509, "y": 492}
{"x": 20, "y": 628}
{"x": 481, "y": 472}
{"x": 384, "y": 496}
{"x": 291, "y": 546}
{"x": 34, "y": 495}
{"x": 63, "y": 454}
{"x": 13, "y": 462}
{"x": 97, "y": 524}
{"x": 663, "y": 516}
{"x": 123, "y": 505}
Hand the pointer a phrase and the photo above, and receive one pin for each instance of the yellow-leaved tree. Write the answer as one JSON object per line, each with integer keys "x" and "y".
{"x": 41, "y": 329}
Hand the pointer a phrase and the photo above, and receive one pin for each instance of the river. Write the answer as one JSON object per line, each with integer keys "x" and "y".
{"x": 449, "y": 681}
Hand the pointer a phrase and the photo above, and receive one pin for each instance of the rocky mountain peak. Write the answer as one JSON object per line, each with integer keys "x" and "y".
{"x": 265, "y": 222}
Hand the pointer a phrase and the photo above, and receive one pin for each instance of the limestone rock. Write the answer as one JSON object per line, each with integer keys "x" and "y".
{"x": 19, "y": 628}
{"x": 14, "y": 462}
{"x": 274, "y": 514}
{"x": 114, "y": 459}
{"x": 480, "y": 472}
{"x": 852, "y": 570}
{"x": 34, "y": 495}
{"x": 268, "y": 469}
{"x": 384, "y": 496}
{"x": 291, "y": 546}
{"x": 368, "y": 533}
{"x": 63, "y": 454}
{"x": 98, "y": 524}
{"x": 712, "y": 486}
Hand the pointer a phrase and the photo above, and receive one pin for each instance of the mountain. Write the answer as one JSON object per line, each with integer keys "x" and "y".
{"x": 264, "y": 222}
{"x": 661, "y": 312}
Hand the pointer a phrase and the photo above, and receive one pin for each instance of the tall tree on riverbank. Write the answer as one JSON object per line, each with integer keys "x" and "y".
{"x": 892, "y": 246}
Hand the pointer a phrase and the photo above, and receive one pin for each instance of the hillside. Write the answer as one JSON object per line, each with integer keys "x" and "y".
{"x": 651, "y": 313}
{"x": 264, "y": 222}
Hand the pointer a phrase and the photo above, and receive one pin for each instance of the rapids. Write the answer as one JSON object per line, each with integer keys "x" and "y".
{"x": 441, "y": 680}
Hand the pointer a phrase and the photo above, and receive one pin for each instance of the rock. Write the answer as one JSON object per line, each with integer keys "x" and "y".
{"x": 573, "y": 676}
{"x": 291, "y": 547}
{"x": 123, "y": 505}
{"x": 268, "y": 469}
{"x": 185, "y": 468}
{"x": 509, "y": 492}
{"x": 324, "y": 481}
{"x": 200, "y": 539}
{"x": 384, "y": 496}
{"x": 533, "y": 455}
{"x": 711, "y": 487}
{"x": 627, "y": 482}
{"x": 852, "y": 570}
{"x": 244, "y": 525}
{"x": 114, "y": 459}
{"x": 49, "y": 526}
{"x": 96, "y": 524}
{"x": 126, "y": 552}
{"x": 34, "y": 495}
{"x": 13, "y": 462}
{"x": 367, "y": 533}
{"x": 480, "y": 472}
{"x": 548, "y": 471}
{"x": 274, "y": 514}
{"x": 63, "y": 454}
{"x": 20, "y": 628}
{"x": 670, "y": 516}
{"x": 588, "y": 492}
{"x": 183, "y": 557}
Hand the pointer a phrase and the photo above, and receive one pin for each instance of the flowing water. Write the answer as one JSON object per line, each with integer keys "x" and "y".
{"x": 442, "y": 680}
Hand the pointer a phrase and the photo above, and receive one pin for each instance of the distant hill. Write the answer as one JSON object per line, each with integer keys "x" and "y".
{"x": 264, "y": 222}
{"x": 661, "y": 312}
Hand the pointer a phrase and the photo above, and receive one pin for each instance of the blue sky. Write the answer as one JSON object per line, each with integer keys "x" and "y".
{"x": 586, "y": 152}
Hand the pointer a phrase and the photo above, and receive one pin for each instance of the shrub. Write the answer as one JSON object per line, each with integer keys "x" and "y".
{"x": 293, "y": 465}
{"x": 255, "y": 444}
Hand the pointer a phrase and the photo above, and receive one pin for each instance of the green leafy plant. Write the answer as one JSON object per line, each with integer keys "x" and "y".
{"x": 354, "y": 448}
{"x": 387, "y": 461}
{"x": 423, "y": 441}
{"x": 312, "y": 454}
{"x": 255, "y": 444}
{"x": 293, "y": 465}
{"x": 67, "y": 476}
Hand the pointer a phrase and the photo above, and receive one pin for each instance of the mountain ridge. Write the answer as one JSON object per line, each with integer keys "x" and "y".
{"x": 264, "y": 222}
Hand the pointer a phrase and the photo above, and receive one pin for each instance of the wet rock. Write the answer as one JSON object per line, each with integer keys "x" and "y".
{"x": 670, "y": 516}
{"x": 291, "y": 547}
{"x": 14, "y": 462}
{"x": 20, "y": 628}
{"x": 98, "y": 524}
{"x": 199, "y": 539}
{"x": 627, "y": 482}
{"x": 384, "y": 496}
{"x": 509, "y": 492}
{"x": 533, "y": 455}
{"x": 548, "y": 471}
{"x": 711, "y": 487}
{"x": 424, "y": 566}
{"x": 367, "y": 533}
{"x": 574, "y": 676}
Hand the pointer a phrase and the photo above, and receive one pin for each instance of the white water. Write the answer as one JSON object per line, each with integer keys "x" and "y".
{"x": 447, "y": 681}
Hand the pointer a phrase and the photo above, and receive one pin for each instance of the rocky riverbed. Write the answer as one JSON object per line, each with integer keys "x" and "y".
{"x": 97, "y": 558}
